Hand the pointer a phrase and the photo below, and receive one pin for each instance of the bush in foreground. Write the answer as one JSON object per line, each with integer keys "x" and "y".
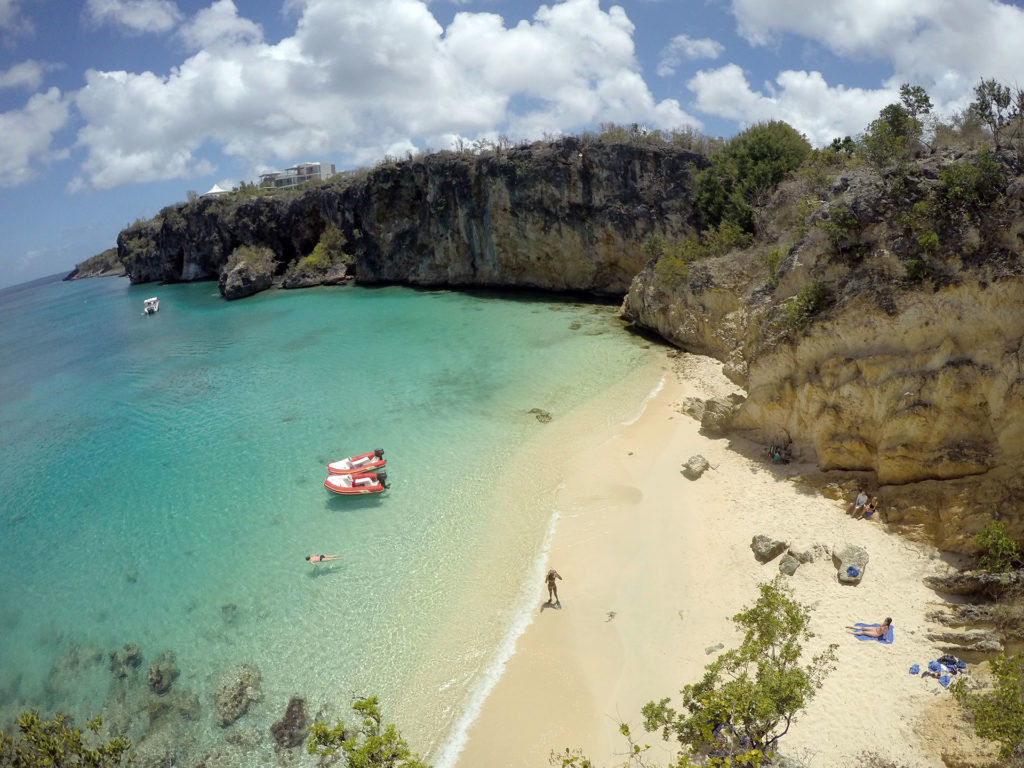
{"x": 998, "y": 713}
{"x": 367, "y": 745}
{"x": 57, "y": 743}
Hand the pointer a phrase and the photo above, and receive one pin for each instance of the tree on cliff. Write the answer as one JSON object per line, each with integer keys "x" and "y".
{"x": 368, "y": 745}
{"x": 750, "y": 695}
{"x": 56, "y": 743}
{"x": 998, "y": 713}
{"x": 747, "y": 168}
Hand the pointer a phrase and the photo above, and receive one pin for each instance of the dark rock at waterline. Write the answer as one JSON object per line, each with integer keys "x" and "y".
{"x": 237, "y": 688}
{"x": 290, "y": 731}
{"x": 245, "y": 279}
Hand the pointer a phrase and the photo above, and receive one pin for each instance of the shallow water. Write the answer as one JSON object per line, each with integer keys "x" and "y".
{"x": 161, "y": 483}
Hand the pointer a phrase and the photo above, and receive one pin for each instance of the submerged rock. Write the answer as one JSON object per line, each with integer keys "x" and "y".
{"x": 162, "y": 673}
{"x": 124, "y": 662}
{"x": 236, "y": 689}
{"x": 290, "y": 731}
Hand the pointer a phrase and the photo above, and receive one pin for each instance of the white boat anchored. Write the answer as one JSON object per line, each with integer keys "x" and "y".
{"x": 150, "y": 306}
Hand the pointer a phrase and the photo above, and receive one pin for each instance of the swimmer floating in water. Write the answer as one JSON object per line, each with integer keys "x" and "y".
{"x": 322, "y": 558}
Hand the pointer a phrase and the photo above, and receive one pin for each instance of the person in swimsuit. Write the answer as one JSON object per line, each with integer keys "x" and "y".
{"x": 322, "y": 558}
{"x": 873, "y": 631}
{"x": 552, "y": 588}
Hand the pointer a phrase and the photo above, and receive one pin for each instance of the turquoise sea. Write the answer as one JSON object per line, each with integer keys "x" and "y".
{"x": 161, "y": 484}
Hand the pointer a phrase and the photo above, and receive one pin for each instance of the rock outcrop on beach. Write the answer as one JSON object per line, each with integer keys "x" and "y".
{"x": 569, "y": 215}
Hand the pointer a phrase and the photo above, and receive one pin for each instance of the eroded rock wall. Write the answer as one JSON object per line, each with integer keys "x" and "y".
{"x": 566, "y": 216}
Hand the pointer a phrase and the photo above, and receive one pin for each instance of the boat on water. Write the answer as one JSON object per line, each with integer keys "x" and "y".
{"x": 150, "y": 306}
{"x": 360, "y": 483}
{"x": 364, "y": 462}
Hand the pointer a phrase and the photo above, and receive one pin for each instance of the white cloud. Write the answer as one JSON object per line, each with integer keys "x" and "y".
{"x": 27, "y": 74}
{"x": 13, "y": 21}
{"x": 220, "y": 24}
{"x": 28, "y": 135}
{"x": 360, "y": 79}
{"x": 683, "y": 47}
{"x": 135, "y": 16}
{"x": 802, "y": 99}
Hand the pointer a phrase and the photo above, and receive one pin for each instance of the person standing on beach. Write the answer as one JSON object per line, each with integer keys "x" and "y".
{"x": 552, "y": 587}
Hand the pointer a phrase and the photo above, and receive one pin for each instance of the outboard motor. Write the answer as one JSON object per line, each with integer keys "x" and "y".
{"x": 378, "y": 452}
{"x": 382, "y": 478}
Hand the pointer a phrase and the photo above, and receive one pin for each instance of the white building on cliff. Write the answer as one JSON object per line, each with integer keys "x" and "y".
{"x": 298, "y": 174}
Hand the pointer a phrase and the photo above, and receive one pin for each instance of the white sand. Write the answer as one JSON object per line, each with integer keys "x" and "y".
{"x": 655, "y": 564}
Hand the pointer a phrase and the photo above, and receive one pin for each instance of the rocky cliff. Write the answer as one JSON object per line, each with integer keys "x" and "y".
{"x": 565, "y": 216}
{"x": 908, "y": 378}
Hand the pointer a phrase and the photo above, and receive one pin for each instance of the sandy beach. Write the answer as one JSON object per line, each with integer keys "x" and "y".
{"x": 653, "y": 566}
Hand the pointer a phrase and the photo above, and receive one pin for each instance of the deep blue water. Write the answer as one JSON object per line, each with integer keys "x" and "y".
{"x": 161, "y": 483}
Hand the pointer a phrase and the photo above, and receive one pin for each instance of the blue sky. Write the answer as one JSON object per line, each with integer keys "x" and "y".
{"x": 112, "y": 109}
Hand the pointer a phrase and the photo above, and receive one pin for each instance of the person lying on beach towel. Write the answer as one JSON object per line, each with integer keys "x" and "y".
{"x": 881, "y": 632}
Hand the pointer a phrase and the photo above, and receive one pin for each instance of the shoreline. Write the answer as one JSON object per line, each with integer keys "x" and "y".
{"x": 654, "y": 565}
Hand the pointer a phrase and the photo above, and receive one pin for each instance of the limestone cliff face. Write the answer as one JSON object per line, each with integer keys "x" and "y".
{"x": 567, "y": 216}
{"x": 914, "y": 386}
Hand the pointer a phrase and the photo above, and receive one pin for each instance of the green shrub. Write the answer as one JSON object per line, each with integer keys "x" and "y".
{"x": 757, "y": 689}
{"x": 808, "y": 301}
{"x": 750, "y": 164}
{"x": 260, "y": 257}
{"x": 673, "y": 264}
{"x": 997, "y": 551}
{"x": 966, "y": 189}
{"x": 772, "y": 261}
{"x": 328, "y": 252}
{"x": 840, "y": 225}
{"x": 369, "y": 744}
{"x": 56, "y": 743}
{"x": 928, "y": 242}
{"x": 916, "y": 270}
{"x": 998, "y": 714}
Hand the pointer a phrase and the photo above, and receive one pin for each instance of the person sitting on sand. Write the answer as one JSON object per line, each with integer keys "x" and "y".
{"x": 880, "y": 631}
{"x": 859, "y": 502}
{"x": 322, "y": 558}
{"x": 872, "y": 506}
{"x": 552, "y": 588}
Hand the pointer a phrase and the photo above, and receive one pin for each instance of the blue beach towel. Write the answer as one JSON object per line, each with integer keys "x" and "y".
{"x": 944, "y": 680}
{"x": 887, "y": 638}
{"x": 934, "y": 666}
{"x": 915, "y": 669}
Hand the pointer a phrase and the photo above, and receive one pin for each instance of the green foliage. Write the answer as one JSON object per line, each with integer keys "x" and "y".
{"x": 992, "y": 100}
{"x": 915, "y": 100}
{"x": 840, "y": 225}
{"x": 966, "y": 189}
{"x": 808, "y": 301}
{"x": 999, "y": 713}
{"x": 928, "y": 242}
{"x": 328, "y": 252}
{"x": 754, "y": 691}
{"x": 998, "y": 553}
{"x": 260, "y": 257}
{"x": 750, "y": 165}
{"x": 674, "y": 257}
{"x": 101, "y": 262}
{"x": 57, "y": 743}
{"x": 772, "y": 261}
{"x": 892, "y": 137}
{"x": 368, "y": 745}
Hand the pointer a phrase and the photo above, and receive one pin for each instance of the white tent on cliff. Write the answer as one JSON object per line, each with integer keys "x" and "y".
{"x": 215, "y": 191}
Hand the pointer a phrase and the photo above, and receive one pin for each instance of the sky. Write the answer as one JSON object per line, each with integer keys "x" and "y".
{"x": 112, "y": 109}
